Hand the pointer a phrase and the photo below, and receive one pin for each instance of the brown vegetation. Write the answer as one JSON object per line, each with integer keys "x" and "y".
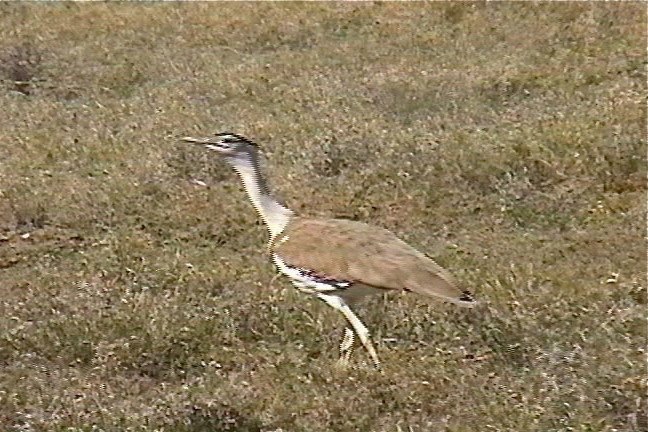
{"x": 507, "y": 140}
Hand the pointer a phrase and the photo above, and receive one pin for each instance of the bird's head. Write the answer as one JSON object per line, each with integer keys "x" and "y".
{"x": 235, "y": 149}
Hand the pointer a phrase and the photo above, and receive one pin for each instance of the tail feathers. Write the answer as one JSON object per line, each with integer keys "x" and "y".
{"x": 440, "y": 284}
{"x": 466, "y": 300}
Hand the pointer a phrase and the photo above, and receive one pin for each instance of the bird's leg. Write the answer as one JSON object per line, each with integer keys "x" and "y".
{"x": 359, "y": 328}
{"x": 273, "y": 279}
{"x": 346, "y": 346}
{"x": 363, "y": 333}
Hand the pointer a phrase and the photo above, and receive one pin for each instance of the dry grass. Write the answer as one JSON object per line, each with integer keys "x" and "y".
{"x": 508, "y": 140}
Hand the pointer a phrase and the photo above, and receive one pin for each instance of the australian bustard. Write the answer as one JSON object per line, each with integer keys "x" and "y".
{"x": 336, "y": 260}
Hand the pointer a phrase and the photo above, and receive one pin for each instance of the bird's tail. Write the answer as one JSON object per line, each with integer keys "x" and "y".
{"x": 439, "y": 283}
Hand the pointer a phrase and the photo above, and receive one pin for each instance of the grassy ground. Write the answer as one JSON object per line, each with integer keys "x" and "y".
{"x": 507, "y": 140}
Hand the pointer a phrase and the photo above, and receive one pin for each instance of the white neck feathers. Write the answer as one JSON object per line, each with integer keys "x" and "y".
{"x": 274, "y": 215}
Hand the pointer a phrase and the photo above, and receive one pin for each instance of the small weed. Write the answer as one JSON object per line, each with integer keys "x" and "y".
{"x": 21, "y": 67}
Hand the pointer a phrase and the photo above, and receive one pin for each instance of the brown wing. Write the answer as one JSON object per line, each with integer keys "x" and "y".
{"x": 365, "y": 254}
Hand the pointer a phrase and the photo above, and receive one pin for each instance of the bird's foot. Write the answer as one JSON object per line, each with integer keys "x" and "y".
{"x": 342, "y": 366}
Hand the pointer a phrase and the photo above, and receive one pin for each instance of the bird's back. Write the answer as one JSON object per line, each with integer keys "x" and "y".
{"x": 364, "y": 254}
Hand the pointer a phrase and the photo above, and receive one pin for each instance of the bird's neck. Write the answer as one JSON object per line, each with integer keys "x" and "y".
{"x": 274, "y": 215}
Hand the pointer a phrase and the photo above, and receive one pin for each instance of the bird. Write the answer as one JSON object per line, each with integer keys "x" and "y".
{"x": 338, "y": 261}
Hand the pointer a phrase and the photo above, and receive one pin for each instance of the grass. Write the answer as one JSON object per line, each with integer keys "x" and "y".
{"x": 507, "y": 140}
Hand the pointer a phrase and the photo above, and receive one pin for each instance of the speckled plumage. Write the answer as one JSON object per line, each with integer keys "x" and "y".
{"x": 364, "y": 255}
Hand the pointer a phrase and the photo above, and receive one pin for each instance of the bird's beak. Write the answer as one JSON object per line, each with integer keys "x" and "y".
{"x": 193, "y": 140}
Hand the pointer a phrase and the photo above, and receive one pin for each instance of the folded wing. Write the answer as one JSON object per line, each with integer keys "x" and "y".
{"x": 364, "y": 254}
